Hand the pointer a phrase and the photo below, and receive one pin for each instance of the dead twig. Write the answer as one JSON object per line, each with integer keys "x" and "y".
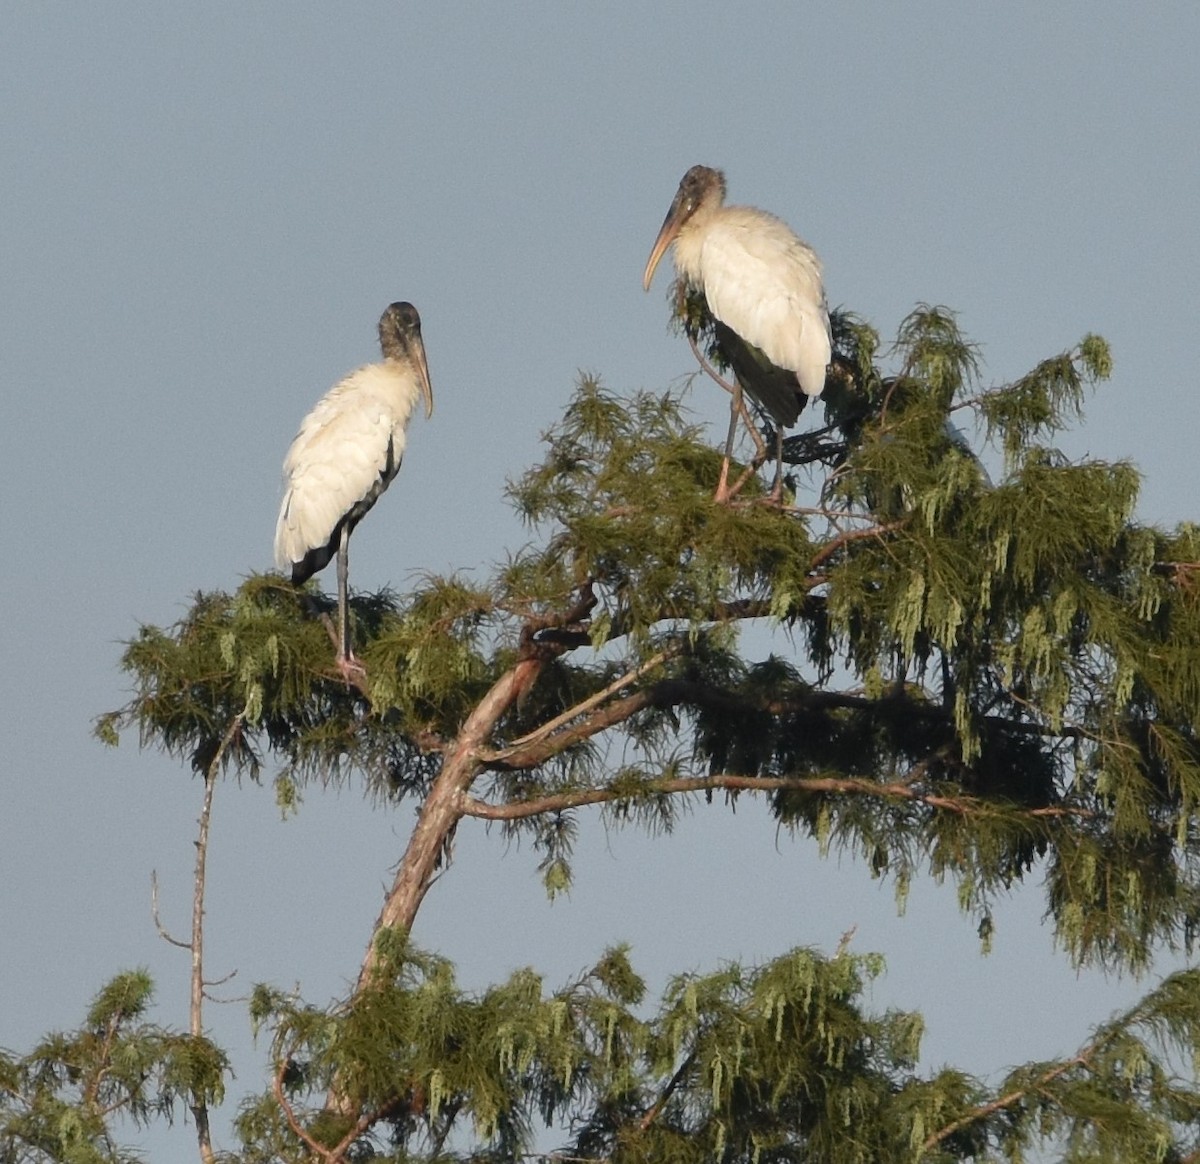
{"x": 162, "y": 930}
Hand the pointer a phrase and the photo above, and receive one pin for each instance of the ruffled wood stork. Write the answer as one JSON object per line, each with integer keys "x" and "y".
{"x": 345, "y": 455}
{"x": 763, "y": 284}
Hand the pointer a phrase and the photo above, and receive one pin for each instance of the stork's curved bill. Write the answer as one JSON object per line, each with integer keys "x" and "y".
{"x": 683, "y": 206}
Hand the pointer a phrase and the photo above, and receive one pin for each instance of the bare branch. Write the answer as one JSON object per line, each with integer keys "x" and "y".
{"x": 195, "y": 946}
{"x": 196, "y": 1009}
{"x": 1005, "y": 1101}
{"x": 708, "y": 369}
{"x": 655, "y": 1110}
{"x": 218, "y": 982}
{"x": 162, "y": 931}
{"x": 830, "y": 548}
{"x": 535, "y": 754}
{"x": 586, "y": 705}
{"x": 289, "y": 1113}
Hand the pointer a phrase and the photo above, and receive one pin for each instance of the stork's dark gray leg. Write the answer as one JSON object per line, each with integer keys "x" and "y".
{"x": 777, "y": 487}
{"x": 351, "y": 669}
{"x": 343, "y": 574}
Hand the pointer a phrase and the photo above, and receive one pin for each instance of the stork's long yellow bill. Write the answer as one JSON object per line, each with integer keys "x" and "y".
{"x": 666, "y": 236}
{"x": 418, "y": 353}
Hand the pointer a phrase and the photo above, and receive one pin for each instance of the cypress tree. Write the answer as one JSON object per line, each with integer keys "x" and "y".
{"x": 978, "y": 672}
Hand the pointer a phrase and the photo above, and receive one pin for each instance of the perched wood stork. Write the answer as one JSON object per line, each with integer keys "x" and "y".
{"x": 763, "y": 284}
{"x": 345, "y": 455}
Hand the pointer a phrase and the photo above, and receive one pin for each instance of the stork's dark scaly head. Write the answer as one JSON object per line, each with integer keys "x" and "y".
{"x": 701, "y": 188}
{"x": 400, "y": 339}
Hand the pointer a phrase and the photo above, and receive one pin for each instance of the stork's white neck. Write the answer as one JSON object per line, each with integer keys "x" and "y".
{"x": 690, "y": 241}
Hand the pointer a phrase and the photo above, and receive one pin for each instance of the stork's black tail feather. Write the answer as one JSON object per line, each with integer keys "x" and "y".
{"x": 775, "y": 389}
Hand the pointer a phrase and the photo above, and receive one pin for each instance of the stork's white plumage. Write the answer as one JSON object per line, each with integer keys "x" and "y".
{"x": 760, "y": 280}
{"x": 345, "y": 455}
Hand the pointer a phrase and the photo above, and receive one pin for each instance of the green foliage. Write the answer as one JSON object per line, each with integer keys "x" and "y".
{"x": 982, "y": 677}
{"x": 251, "y": 672}
{"x": 988, "y": 672}
{"x": 666, "y": 555}
{"x": 63, "y": 1100}
{"x": 773, "y": 1063}
{"x": 780, "y": 1062}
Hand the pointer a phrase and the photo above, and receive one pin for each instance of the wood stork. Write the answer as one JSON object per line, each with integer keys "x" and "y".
{"x": 345, "y": 455}
{"x": 763, "y": 284}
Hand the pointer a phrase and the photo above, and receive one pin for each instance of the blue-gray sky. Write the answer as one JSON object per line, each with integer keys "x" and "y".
{"x": 205, "y": 208}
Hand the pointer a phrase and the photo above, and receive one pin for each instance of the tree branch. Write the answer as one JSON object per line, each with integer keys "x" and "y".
{"x": 196, "y": 1007}
{"x": 437, "y": 1141}
{"x": 536, "y": 625}
{"x": 686, "y": 691}
{"x": 830, "y": 548}
{"x": 439, "y": 816}
{"x": 535, "y": 754}
{"x": 91, "y": 1091}
{"x": 162, "y": 930}
{"x": 894, "y": 790}
{"x": 440, "y": 813}
{"x": 289, "y": 1113}
{"x": 584, "y": 706}
{"x": 195, "y": 946}
{"x": 364, "y": 1123}
{"x": 1006, "y": 1101}
{"x": 655, "y": 1109}
{"x": 676, "y": 692}
{"x": 441, "y": 809}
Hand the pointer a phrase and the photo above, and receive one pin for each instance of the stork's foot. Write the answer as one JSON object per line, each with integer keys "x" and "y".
{"x": 775, "y": 497}
{"x": 351, "y": 670}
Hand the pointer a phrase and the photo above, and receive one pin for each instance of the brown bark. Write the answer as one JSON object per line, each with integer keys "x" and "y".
{"x": 196, "y": 1008}
{"x": 442, "y": 810}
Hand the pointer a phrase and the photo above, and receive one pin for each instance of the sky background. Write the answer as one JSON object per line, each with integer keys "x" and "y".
{"x": 205, "y": 209}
